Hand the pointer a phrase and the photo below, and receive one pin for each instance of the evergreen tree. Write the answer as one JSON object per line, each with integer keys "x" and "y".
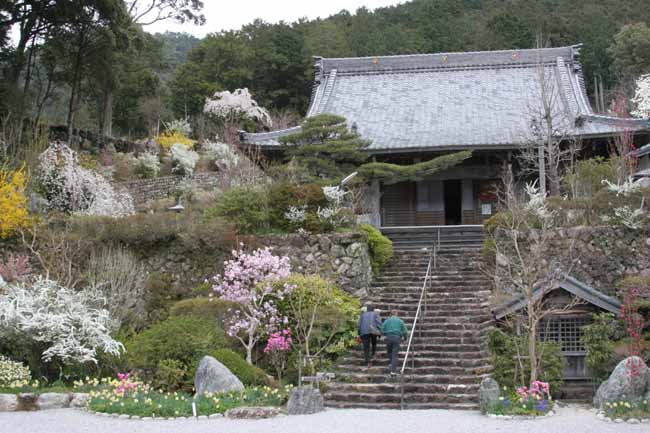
{"x": 325, "y": 149}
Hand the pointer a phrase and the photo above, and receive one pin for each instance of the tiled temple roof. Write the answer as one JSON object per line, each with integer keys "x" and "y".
{"x": 454, "y": 100}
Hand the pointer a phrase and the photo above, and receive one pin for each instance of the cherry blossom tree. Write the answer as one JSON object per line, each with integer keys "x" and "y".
{"x": 229, "y": 106}
{"x": 247, "y": 280}
{"x": 69, "y": 187}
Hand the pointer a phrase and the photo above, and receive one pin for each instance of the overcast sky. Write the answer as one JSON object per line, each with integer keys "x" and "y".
{"x": 232, "y": 14}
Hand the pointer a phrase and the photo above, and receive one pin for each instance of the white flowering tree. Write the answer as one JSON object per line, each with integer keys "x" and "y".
{"x": 641, "y": 98}
{"x": 183, "y": 159}
{"x": 147, "y": 165}
{"x": 69, "y": 187}
{"x": 230, "y": 106}
{"x": 627, "y": 215}
{"x": 72, "y": 325}
{"x": 222, "y": 155}
{"x": 247, "y": 281}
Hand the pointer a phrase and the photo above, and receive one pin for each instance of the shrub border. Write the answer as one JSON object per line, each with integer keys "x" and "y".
{"x": 520, "y": 417}
{"x": 601, "y": 416}
{"x": 281, "y": 413}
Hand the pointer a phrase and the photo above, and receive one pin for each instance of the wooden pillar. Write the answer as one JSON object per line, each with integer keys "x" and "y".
{"x": 468, "y": 201}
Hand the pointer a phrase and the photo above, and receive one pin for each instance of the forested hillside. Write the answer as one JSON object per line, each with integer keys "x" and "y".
{"x": 100, "y": 70}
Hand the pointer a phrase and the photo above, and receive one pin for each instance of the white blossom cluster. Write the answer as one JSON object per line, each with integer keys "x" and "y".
{"x": 630, "y": 218}
{"x": 238, "y": 103}
{"x": 73, "y": 325}
{"x": 182, "y": 126}
{"x": 537, "y": 203}
{"x": 296, "y": 214}
{"x": 625, "y": 189}
{"x": 183, "y": 159}
{"x": 223, "y": 155}
{"x": 333, "y": 214}
{"x": 69, "y": 187}
{"x": 641, "y": 99}
{"x": 148, "y": 164}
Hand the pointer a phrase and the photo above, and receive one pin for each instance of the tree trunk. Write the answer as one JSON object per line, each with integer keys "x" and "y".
{"x": 107, "y": 124}
{"x": 74, "y": 88}
{"x": 532, "y": 342}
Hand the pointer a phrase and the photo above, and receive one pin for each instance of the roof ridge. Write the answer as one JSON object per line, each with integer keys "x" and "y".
{"x": 345, "y": 65}
{"x": 576, "y": 46}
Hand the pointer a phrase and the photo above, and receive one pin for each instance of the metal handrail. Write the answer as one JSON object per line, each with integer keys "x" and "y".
{"x": 430, "y": 267}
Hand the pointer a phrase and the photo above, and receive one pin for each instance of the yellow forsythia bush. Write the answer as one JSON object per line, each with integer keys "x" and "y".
{"x": 13, "y": 202}
{"x": 169, "y": 138}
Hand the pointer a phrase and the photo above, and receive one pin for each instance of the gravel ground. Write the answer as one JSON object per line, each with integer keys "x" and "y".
{"x": 567, "y": 420}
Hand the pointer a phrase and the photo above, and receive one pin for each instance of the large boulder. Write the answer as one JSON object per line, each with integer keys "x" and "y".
{"x": 53, "y": 400}
{"x": 488, "y": 394}
{"x": 253, "y": 412}
{"x": 630, "y": 380}
{"x": 8, "y": 402}
{"x": 214, "y": 377}
{"x": 305, "y": 400}
{"x": 79, "y": 399}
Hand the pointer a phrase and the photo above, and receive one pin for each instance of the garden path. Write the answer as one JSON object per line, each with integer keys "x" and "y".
{"x": 569, "y": 419}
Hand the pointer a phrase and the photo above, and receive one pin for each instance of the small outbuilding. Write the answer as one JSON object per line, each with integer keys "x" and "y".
{"x": 577, "y": 302}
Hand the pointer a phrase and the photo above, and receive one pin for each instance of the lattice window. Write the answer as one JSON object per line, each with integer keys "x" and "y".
{"x": 567, "y": 331}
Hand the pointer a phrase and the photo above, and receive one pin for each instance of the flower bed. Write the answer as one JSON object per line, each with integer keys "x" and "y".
{"x": 532, "y": 402}
{"x": 126, "y": 396}
{"x": 627, "y": 410}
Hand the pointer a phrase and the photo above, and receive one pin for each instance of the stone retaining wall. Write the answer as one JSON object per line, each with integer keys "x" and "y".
{"x": 605, "y": 255}
{"x": 144, "y": 190}
{"x": 340, "y": 257}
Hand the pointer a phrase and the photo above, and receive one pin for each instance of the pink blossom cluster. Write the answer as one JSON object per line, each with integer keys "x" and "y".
{"x": 250, "y": 280}
{"x": 125, "y": 384}
{"x": 15, "y": 269}
{"x": 538, "y": 390}
{"x": 279, "y": 342}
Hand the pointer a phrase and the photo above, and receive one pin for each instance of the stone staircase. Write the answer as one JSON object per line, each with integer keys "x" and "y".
{"x": 449, "y": 352}
{"x": 410, "y": 238}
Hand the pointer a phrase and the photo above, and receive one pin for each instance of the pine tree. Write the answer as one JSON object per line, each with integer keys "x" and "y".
{"x": 325, "y": 149}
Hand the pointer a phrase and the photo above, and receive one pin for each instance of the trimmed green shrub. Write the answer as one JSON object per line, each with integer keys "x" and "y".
{"x": 246, "y": 208}
{"x": 505, "y": 350}
{"x": 322, "y": 317}
{"x": 208, "y": 308}
{"x": 597, "y": 338}
{"x": 171, "y": 375}
{"x": 184, "y": 339}
{"x": 381, "y": 248}
{"x": 250, "y": 375}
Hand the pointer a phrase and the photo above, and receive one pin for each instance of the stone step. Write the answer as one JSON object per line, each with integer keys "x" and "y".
{"x": 411, "y": 406}
{"x": 441, "y": 396}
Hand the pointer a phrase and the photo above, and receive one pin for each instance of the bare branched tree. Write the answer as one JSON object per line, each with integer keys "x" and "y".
{"x": 60, "y": 254}
{"x": 551, "y": 146}
{"x": 521, "y": 241}
{"x": 622, "y": 144}
{"x": 147, "y": 12}
{"x": 121, "y": 278}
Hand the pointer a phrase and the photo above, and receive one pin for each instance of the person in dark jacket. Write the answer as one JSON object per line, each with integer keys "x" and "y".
{"x": 394, "y": 330}
{"x": 369, "y": 331}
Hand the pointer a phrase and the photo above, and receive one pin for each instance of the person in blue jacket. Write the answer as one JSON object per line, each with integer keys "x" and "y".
{"x": 369, "y": 331}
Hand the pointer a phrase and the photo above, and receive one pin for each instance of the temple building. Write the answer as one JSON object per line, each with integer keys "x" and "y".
{"x": 415, "y": 107}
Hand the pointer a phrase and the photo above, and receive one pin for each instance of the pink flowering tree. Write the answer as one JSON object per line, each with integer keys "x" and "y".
{"x": 247, "y": 280}
{"x": 277, "y": 348}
